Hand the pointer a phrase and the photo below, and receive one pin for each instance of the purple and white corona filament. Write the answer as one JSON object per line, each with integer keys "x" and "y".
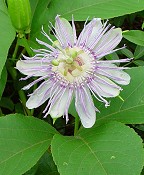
{"x": 71, "y": 68}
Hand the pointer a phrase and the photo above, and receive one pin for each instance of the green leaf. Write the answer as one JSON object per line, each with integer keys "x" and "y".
{"x": 40, "y": 14}
{"x": 112, "y": 56}
{"x": 7, "y": 103}
{"x": 127, "y": 53}
{"x": 3, "y": 80}
{"x": 131, "y": 110}
{"x": 47, "y": 10}
{"x": 135, "y": 36}
{"x": 110, "y": 149}
{"x": 7, "y": 34}
{"x": 139, "y": 52}
{"x": 101, "y": 8}
{"x": 142, "y": 26}
{"x": 139, "y": 62}
{"x": 23, "y": 140}
{"x": 46, "y": 165}
{"x": 40, "y": 18}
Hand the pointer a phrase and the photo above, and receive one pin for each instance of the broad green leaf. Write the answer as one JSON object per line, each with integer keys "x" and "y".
{"x": 101, "y": 8}
{"x": 40, "y": 18}
{"x": 47, "y": 10}
{"x": 40, "y": 13}
{"x": 23, "y": 140}
{"x": 139, "y": 52}
{"x": 3, "y": 80}
{"x": 131, "y": 110}
{"x": 7, "y": 34}
{"x": 33, "y": 4}
{"x": 135, "y": 36}
{"x": 110, "y": 149}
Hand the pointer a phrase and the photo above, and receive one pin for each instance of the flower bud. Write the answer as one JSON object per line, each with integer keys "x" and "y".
{"x": 20, "y": 14}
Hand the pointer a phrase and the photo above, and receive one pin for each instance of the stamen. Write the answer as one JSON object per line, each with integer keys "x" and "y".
{"x": 69, "y": 60}
{"x": 55, "y": 62}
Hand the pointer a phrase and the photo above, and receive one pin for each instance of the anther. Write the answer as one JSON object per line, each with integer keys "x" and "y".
{"x": 55, "y": 62}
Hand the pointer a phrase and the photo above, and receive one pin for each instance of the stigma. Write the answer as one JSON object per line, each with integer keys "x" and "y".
{"x": 71, "y": 63}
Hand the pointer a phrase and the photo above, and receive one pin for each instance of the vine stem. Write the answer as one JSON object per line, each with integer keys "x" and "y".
{"x": 27, "y": 47}
{"x": 16, "y": 50}
{"x": 76, "y": 124}
{"x": 21, "y": 93}
{"x": 13, "y": 74}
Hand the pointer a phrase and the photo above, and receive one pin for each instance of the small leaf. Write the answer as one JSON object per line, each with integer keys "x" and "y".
{"x": 139, "y": 52}
{"x": 7, "y": 103}
{"x": 110, "y": 149}
{"x": 127, "y": 53}
{"x": 46, "y": 165}
{"x": 139, "y": 62}
{"x": 23, "y": 140}
{"x": 135, "y": 36}
{"x": 112, "y": 56}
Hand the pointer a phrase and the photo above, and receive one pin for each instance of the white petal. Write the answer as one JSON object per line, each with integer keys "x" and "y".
{"x": 90, "y": 32}
{"x": 105, "y": 87}
{"x": 39, "y": 96}
{"x": 32, "y": 67}
{"x": 117, "y": 75}
{"x": 64, "y": 32}
{"x": 58, "y": 109}
{"x": 85, "y": 108}
{"x": 108, "y": 41}
{"x": 95, "y": 32}
{"x": 125, "y": 78}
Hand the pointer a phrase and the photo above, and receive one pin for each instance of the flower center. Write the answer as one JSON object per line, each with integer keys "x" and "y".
{"x": 73, "y": 64}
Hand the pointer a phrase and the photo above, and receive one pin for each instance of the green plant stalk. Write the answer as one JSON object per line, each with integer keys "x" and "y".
{"x": 21, "y": 93}
{"x": 30, "y": 53}
{"x": 32, "y": 110}
{"x": 23, "y": 100}
{"x": 1, "y": 114}
{"x": 27, "y": 47}
{"x": 76, "y": 124}
{"x": 15, "y": 51}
